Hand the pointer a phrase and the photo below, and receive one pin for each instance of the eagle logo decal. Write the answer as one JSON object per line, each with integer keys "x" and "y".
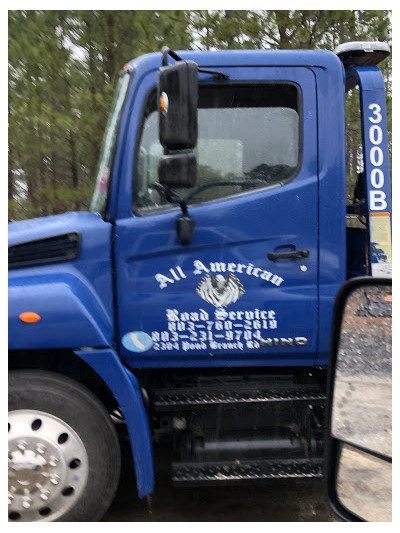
{"x": 220, "y": 291}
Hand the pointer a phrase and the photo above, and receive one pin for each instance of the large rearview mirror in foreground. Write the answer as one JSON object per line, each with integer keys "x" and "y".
{"x": 359, "y": 422}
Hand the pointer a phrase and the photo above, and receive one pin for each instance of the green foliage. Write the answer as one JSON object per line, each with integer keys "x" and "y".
{"x": 63, "y": 67}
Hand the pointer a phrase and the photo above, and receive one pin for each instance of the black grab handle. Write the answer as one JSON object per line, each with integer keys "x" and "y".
{"x": 288, "y": 255}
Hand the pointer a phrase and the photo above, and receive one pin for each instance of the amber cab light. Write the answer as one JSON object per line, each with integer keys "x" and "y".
{"x": 29, "y": 317}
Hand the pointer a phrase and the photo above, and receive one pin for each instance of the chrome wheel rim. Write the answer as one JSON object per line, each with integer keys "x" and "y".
{"x": 47, "y": 466}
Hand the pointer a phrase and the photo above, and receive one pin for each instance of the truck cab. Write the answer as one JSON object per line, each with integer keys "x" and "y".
{"x": 270, "y": 166}
{"x": 200, "y": 313}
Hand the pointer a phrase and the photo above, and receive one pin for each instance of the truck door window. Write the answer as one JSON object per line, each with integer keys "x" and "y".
{"x": 248, "y": 139}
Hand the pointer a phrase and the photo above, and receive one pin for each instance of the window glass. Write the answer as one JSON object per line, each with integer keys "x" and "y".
{"x": 101, "y": 190}
{"x": 355, "y": 187}
{"x": 248, "y": 138}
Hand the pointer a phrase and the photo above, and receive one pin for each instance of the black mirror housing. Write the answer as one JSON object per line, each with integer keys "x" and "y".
{"x": 185, "y": 229}
{"x": 177, "y": 104}
{"x": 178, "y": 170}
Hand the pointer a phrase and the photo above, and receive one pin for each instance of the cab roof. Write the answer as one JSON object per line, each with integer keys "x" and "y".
{"x": 246, "y": 58}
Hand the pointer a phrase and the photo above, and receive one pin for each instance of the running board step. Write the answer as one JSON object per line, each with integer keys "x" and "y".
{"x": 193, "y": 474}
{"x": 194, "y": 397}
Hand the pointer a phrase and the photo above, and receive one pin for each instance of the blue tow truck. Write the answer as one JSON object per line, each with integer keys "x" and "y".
{"x": 192, "y": 305}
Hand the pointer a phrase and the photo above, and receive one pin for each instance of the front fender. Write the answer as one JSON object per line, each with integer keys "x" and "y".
{"x": 123, "y": 384}
{"x": 72, "y": 314}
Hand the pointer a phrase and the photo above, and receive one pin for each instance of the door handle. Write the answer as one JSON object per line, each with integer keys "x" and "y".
{"x": 296, "y": 254}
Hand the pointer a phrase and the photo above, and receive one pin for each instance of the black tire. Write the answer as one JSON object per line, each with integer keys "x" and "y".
{"x": 77, "y": 407}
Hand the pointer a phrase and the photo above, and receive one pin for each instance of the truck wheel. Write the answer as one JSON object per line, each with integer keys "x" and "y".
{"x": 63, "y": 451}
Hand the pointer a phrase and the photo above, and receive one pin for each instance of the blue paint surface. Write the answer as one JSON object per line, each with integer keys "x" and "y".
{"x": 74, "y": 298}
{"x": 124, "y": 385}
{"x": 307, "y": 213}
{"x": 375, "y": 153}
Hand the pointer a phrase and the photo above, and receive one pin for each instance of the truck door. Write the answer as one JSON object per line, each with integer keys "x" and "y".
{"x": 245, "y": 291}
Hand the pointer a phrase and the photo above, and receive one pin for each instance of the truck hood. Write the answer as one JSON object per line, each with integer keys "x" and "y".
{"x": 70, "y": 284}
{"x": 38, "y": 228}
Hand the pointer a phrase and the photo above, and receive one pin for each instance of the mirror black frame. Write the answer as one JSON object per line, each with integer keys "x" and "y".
{"x": 333, "y": 445}
{"x": 178, "y": 170}
{"x": 178, "y": 88}
{"x": 177, "y": 96}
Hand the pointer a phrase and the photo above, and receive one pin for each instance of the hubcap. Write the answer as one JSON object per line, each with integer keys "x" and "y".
{"x": 47, "y": 466}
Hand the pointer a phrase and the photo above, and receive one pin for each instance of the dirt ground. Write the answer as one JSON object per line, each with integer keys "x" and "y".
{"x": 365, "y": 485}
{"x": 278, "y": 501}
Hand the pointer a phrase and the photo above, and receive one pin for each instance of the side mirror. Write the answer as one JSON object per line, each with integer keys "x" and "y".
{"x": 178, "y": 89}
{"x": 178, "y": 99}
{"x": 178, "y": 170}
{"x": 359, "y": 423}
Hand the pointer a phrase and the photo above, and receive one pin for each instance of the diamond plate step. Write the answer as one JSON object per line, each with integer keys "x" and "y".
{"x": 229, "y": 472}
{"x": 194, "y": 397}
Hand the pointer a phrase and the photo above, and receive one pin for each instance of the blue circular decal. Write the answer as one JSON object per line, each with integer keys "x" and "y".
{"x": 137, "y": 341}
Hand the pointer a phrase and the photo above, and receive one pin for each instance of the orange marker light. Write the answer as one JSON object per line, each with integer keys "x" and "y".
{"x": 388, "y": 298}
{"x": 29, "y": 317}
{"x": 164, "y": 103}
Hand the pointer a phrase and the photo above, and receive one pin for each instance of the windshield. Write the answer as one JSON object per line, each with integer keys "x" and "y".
{"x": 101, "y": 190}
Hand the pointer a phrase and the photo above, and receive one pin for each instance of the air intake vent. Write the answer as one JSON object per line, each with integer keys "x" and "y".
{"x": 49, "y": 250}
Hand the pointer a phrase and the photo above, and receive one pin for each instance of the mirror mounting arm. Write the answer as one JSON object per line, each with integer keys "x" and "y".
{"x": 173, "y": 198}
{"x": 217, "y": 75}
{"x": 168, "y": 52}
{"x": 184, "y": 223}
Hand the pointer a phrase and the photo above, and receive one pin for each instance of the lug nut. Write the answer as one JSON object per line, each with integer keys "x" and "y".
{"x": 55, "y": 480}
{"x": 40, "y": 448}
{"x": 26, "y": 502}
{"x": 44, "y": 495}
{"x": 10, "y": 498}
{"x": 53, "y": 461}
{"x": 21, "y": 445}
